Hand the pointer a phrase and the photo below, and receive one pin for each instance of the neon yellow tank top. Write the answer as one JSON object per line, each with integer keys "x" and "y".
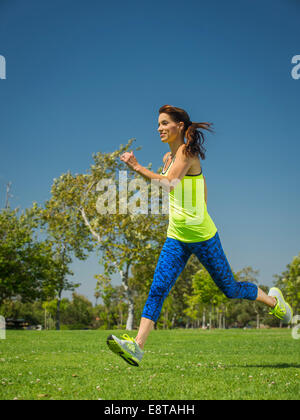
{"x": 189, "y": 220}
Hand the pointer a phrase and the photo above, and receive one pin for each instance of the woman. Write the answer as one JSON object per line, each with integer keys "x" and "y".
{"x": 188, "y": 233}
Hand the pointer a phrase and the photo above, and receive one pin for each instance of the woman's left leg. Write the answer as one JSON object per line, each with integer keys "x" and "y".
{"x": 210, "y": 253}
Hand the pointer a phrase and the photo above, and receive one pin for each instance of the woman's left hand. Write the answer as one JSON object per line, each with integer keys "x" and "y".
{"x": 130, "y": 160}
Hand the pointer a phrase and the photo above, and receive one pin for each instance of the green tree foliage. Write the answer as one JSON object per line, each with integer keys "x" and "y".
{"x": 79, "y": 313}
{"x": 129, "y": 244}
{"x": 207, "y": 299}
{"x": 205, "y": 296}
{"x": 75, "y": 314}
{"x": 123, "y": 240}
{"x": 68, "y": 235}
{"x": 31, "y": 312}
{"x": 25, "y": 261}
{"x": 289, "y": 282}
{"x": 113, "y": 297}
{"x": 177, "y": 313}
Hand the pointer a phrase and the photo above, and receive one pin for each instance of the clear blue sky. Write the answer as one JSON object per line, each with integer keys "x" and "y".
{"x": 86, "y": 76}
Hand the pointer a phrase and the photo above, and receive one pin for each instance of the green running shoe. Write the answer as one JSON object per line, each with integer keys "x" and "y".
{"x": 282, "y": 310}
{"x": 127, "y": 348}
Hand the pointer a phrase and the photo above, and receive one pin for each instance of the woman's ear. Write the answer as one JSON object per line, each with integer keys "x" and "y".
{"x": 181, "y": 128}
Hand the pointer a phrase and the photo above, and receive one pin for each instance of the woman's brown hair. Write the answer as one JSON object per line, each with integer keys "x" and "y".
{"x": 192, "y": 130}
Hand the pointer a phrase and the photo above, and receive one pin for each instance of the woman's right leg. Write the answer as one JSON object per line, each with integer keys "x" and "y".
{"x": 172, "y": 260}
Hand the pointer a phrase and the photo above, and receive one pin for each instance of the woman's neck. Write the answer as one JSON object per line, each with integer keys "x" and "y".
{"x": 174, "y": 146}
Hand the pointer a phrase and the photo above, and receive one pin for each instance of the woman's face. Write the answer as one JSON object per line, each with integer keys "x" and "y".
{"x": 167, "y": 128}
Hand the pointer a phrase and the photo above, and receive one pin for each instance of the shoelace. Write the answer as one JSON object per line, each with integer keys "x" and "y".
{"x": 131, "y": 344}
{"x": 131, "y": 339}
{"x": 279, "y": 310}
{"x": 126, "y": 337}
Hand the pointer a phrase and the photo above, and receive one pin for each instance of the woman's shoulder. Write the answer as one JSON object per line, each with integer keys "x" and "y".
{"x": 194, "y": 161}
{"x": 182, "y": 152}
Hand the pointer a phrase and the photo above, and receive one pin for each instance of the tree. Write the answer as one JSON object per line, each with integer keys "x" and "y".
{"x": 205, "y": 295}
{"x": 182, "y": 289}
{"x": 25, "y": 262}
{"x": 31, "y": 312}
{"x": 240, "y": 313}
{"x": 289, "y": 283}
{"x": 68, "y": 236}
{"x": 124, "y": 239}
{"x": 50, "y": 311}
{"x": 79, "y": 313}
{"x": 111, "y": 297}
{"x": 250, "y": 275}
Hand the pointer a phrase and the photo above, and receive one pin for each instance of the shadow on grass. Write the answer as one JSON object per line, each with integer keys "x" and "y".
{"x": 276, "y": 366}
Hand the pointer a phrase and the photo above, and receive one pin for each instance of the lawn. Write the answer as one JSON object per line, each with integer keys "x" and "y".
{"x": 177, "y": 365}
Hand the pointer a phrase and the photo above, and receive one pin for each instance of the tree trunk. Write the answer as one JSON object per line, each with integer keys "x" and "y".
{"x": 124, "y": 275}
{"x": 173, "y": 320}
{"x": 219, "y": 314}
{"x": 45, "y": 320}
{"x": 121, "y": 317}
{"x": 203, "y": 319}
{"x": 57, "y": 322}
{"x": 224, "y": 317}
{"x": 128, "y": 294}
{"x": 210, "y": 317}
{"x": 130, "y": 318}
{"x": 166, "y": 316}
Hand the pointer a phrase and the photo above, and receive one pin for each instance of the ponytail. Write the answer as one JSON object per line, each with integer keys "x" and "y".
{"x": 195, "y": 138}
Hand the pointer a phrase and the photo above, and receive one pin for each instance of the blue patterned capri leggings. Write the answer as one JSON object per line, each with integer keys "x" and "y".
{"x": 173, "y": 258}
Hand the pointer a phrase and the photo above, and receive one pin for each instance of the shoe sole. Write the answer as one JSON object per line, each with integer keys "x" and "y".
{"x": 116, "y": 348}
{"x": 287, "y": 304}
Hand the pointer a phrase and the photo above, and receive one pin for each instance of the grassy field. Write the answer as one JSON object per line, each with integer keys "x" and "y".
{"x": 178, "y": 364}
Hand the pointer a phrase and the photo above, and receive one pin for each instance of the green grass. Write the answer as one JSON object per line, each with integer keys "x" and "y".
{"x": 178, "y": 364}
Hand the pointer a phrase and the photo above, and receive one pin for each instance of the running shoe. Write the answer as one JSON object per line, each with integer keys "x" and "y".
{"x": 282, "y": 310}
{"x": 127, "y": 348}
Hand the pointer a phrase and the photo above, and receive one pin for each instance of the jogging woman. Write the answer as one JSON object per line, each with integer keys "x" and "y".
{"x": 190, "y": 231}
